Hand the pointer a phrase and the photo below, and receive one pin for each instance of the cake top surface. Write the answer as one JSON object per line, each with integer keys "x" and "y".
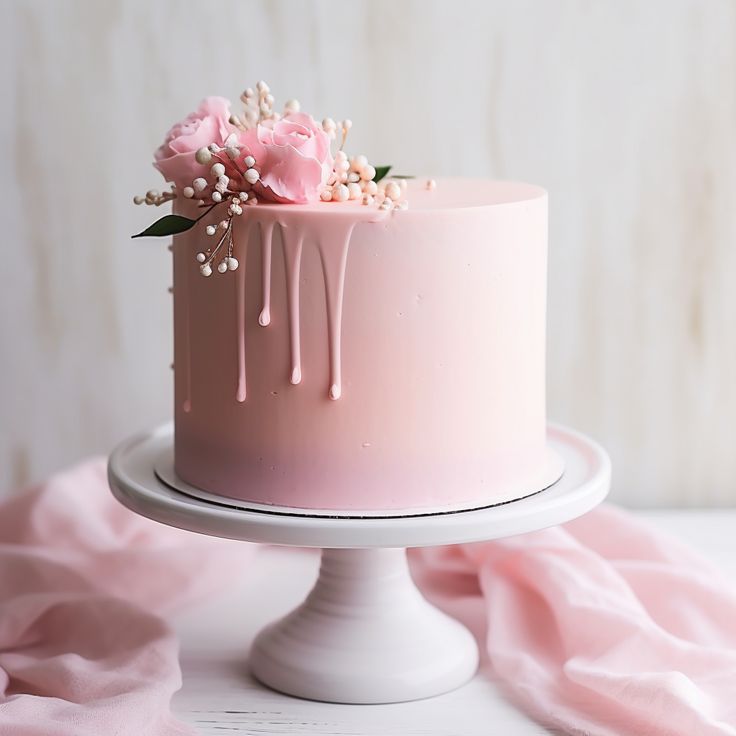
{"x": 446, "y": 193}
{"x": 459, "y": 193}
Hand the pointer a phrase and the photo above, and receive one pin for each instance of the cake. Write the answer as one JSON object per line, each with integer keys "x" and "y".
{"x": 353, "y": 343}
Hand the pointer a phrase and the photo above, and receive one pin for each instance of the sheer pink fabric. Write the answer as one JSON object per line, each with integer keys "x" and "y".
{"x": 83, "y": 651}
{"x": 602, "y": 626}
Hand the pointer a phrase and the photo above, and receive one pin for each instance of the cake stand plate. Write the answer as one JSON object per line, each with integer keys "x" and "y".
{"x": 364, "y": 634}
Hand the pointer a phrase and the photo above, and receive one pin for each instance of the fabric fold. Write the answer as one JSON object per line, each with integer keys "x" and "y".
{"x": 603, "y": 626}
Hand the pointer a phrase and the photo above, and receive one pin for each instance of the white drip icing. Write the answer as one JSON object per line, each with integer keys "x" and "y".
{"x": 264, "y": 318}
{"x": 333, "y": 255}
{"x": 293, "y": 241}
{"x": 334, "y": 264}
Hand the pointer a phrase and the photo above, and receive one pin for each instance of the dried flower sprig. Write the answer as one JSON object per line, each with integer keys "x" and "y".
{"x": 225, "y": 176}
{"x": 207, "y": 257}
{"x": 227, "y": 183}
{"x": 156, "y": 198}
{"x": 258, "y": 107}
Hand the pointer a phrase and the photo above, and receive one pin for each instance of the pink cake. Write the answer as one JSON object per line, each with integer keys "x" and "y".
{"x": 357, "y": 357}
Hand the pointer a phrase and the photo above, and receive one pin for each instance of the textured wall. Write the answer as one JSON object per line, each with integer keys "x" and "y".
{"x": 625, "y": 111}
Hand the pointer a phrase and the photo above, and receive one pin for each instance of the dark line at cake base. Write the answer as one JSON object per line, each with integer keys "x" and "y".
{"x": 232, "y": 504}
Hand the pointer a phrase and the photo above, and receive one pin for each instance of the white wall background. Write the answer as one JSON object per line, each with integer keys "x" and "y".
{"x": 624, "y": 110}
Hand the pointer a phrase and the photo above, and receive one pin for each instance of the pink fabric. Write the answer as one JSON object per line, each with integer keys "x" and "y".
{"x": 82, "y": 651}
{"x": 601, "y": 627}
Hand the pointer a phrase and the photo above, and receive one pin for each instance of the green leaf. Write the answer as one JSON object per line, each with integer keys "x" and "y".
{"x": 381, "y": 171}
{"x": 403, "y": 176}
{"x": 167, "y": 225}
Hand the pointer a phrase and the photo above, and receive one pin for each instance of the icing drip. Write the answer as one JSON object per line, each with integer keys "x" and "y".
{"x": 240, "y": 320}
{"x": 264, "y": 318}
{"x": 333, "y": 249}
{"x": 334, "y": 256}
{"x": 293, "y": 241}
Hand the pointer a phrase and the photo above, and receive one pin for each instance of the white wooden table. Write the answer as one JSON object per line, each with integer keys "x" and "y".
{"x": 219, "y": 696}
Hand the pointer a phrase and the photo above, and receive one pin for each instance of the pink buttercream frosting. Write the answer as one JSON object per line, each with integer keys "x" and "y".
{"x": 175, "y": 157}
{"x": 293, "y": 157}
{"x": 401, "y": 362}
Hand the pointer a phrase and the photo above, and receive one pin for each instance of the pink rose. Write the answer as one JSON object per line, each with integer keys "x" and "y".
{"x": 209, "y": 124}
{"x": 292, "y": 156}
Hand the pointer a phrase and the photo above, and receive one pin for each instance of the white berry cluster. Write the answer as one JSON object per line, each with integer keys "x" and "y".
{"x": 230, "y": 182}
{"x": 258, "y": 107}
{"x": 353, "y": 178}
{"x": 350, "y": 179}
{"x": 228, "y": 175}
{"x": 156, "y": 198}
{"x": 228, "y": 262}
{"x": 390, "y": 195}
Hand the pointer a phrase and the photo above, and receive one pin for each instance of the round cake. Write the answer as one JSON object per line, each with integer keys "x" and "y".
{"x": 348, "y": 341}
{"x": 364, "y": 359}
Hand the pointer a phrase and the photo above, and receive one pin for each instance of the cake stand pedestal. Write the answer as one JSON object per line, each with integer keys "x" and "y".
{"x": 364, "y": 634}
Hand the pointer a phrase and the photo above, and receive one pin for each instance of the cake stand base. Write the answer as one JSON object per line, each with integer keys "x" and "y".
{"x": 364, "y": 634}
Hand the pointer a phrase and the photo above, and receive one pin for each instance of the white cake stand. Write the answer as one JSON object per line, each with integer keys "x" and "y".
{"x": 364, "y": 634}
